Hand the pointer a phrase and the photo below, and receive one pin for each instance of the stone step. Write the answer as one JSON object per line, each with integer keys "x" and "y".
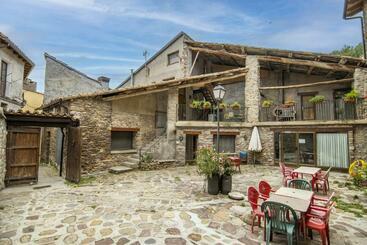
{"x": 133, "y": 159}
{"x": 119, "y": 169}
{"x": 167, "y": 161}
{"x": 129, "y": 164}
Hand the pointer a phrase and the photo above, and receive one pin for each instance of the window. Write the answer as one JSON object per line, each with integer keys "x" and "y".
{"x": 3, "y": 77}
{"x": 227, "y": 143}
{"x": 173, "y": 58}
{"x": 122, "y": 140}
{"x": 332, "y": 150}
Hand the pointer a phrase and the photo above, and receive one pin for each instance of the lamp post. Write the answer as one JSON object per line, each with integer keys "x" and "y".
{"x": 219, "y": 92}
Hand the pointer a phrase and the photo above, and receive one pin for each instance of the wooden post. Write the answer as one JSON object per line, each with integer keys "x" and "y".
{"x": 73, "y": 167}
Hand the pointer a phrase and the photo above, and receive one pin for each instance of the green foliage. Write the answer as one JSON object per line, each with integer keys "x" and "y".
{"x": 351, "y": 96}
{"x": 207, "y": 161}
{"x": 87, "y": 180}
{"x": 147, "y": 158}
{"x": 226, "y": 165}
{"x": 196, "y": 104}
{"x": 207, "y": 105}
{"x": 222, "y": 105}
{"x": 317, "y": 99}
{"x": 350, "y": 50}
{"x": 235, "y": 105}
{"x": 267, "y": 103}
{"x": 352, "y": 207}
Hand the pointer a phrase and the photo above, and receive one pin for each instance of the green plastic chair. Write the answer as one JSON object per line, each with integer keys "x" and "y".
{"x": 278, "y": 219}
{"x": 300, "y": 184}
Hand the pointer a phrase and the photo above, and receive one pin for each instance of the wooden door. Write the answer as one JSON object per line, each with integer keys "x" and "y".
{"x": 308, "y": 108}
{"x": 73, "y": 155}
{"x": 22, "y": 154}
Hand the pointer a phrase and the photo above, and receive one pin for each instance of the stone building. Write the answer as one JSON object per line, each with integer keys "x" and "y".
{"x": 15, "y": 67}
{"x": 267, "y": 88}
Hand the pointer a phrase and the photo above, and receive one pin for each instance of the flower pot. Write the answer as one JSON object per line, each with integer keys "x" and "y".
{"x": 213, "y": 184}
{"x": 226, "y": 184}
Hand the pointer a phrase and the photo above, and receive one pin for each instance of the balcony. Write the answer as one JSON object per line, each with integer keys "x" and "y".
{"x": 227, "y": 114}
{"x": 326, "y": 111}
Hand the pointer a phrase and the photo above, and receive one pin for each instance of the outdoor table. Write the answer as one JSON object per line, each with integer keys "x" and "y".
{"x": 299, "y": 200}
{"x": 309, "y": 171}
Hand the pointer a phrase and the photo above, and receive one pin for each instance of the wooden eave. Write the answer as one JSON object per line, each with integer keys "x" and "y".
{"x": 199, "y": 80}
{"x": 352, "y": 7}
{"x": 40, "y": 119}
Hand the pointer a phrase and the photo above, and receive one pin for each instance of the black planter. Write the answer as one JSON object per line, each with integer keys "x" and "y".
{"x": 213, "y": 184}
{"x": 226, "y": 184}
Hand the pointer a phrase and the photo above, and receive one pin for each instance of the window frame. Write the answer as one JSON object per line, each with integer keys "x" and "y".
{"x": 132, "y": 143}
{"x": 170, "y": 54}
{"x": 225, "y": 135}
{"x": 3, "y": 79}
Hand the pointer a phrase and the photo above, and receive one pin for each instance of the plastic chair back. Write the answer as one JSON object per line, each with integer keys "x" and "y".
{"x": 264, "y": 188}
{"x": 279, "y": 216}
{"x": 252, "y": 197}
{"x": 300, "y": 184}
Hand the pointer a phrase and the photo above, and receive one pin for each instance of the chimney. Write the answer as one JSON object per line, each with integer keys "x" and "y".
{"x": 104, "y": 81}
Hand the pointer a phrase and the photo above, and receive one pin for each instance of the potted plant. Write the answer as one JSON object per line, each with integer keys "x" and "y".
{"x": 226, "y": 177}
{"x": 207, "y": 161}
{"x": 235, "y": 106}
{"x": 351, "y": 97}
{"x": 222, "y": 106}
{"x": 196, "y": 104}
{"x": 317, "y": 99}
{"x": 267, "y": 103}
{"x": 207, "y": 105}
{"x": 290, "y": 102}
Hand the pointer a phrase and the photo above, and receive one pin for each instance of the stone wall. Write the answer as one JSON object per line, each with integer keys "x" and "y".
{"x": 360, "y": 143}
{"x": 3, "y": 133}
{"x": 205, "y": 138}
{"x": 252, "y": 93}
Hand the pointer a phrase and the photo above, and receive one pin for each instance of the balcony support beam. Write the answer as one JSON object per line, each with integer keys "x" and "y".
{"x": 346, "y": 80}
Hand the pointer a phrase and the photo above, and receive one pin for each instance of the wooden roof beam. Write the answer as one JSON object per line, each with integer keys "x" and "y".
{"x": 308, "y": 84}
{"x": 218, "y": 52}
{"x": 316, "y": 64}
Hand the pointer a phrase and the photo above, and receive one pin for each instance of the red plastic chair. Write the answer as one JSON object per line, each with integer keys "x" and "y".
{"x": 321, "y": 180}
{"x": 320, "y": 223}
{"x": 321, "y": 202}
{"x": 287, "y": 173}
{"x": 265, "y": 189}
{"x": 253, "y": 198}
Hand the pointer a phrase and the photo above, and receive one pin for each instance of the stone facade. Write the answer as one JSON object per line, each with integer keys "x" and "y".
{"x": 2, "y": 148}
{"x": 360, "y": 143}
{"x": 252, "y": 93}
{"x": 62, "y": 80}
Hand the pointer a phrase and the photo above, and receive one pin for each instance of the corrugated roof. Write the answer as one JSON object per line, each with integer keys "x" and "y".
{"x": 9, "y": 44}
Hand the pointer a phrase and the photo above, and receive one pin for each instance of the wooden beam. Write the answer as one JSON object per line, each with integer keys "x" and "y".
{"x": 310, "y": 69}
{"x": 193, "y": 64}
{"x": 125, "y": 129}
{"x": 331, "y": 72}
{"x": 309, "y": 84}
{"x": 323, "y": 65}
{"x": 218, "y": 52}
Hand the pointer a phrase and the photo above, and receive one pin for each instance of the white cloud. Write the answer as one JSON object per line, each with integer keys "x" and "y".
{"x": 95, "y": 57}
{"x": 78, "y": 4}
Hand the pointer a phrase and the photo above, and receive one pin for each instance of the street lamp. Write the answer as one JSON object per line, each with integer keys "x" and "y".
{"x": 219, "y": 92}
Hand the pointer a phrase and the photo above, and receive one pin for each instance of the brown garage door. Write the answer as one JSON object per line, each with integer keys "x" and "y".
{"x": 22, "y": 152}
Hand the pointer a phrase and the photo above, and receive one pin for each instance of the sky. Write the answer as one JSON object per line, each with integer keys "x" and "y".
{"x": 108, "y": 37}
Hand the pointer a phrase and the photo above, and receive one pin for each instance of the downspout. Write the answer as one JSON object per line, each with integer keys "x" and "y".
{"x": 362, "y": 27}
{"x": 132, "y": 77}
{"x": 62, "y": 151}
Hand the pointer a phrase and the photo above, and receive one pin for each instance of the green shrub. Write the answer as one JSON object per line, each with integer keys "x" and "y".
{"x": 207, "y": 161}
{"x": 235, "y": 105}
{"x": 351, "y": 96}
{"x": 267, "y": 103}
{"x": 207, "y": 105}
{"x": 317, "y": 99}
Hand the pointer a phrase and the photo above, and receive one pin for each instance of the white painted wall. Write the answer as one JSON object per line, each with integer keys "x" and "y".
{"x": 159, "y": 68}
{"x": 14, "y": 85}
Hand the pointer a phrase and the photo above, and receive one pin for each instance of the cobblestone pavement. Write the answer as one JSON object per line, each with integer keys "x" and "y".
{"x": 150, "y": 207}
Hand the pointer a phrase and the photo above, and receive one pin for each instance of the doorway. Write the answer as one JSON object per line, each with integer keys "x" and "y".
{"x": 191, "y": 147}
{"x": 295, "y": 147}
{"x": 307, "y": 108}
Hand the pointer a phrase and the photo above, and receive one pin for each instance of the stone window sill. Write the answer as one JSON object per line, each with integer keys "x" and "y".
{"x": 124, "y": 151}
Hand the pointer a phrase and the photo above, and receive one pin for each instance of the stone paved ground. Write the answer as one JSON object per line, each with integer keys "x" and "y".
{"x": 152, "y": 207}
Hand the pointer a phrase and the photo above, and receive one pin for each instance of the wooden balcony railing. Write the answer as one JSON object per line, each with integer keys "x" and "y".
{"x": 326, "y": 110}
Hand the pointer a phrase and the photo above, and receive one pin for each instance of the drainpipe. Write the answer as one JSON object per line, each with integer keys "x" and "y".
{"x": 132, "y": 77}
{"x": 362, "y": 27}
{"x": 62, "y": 150}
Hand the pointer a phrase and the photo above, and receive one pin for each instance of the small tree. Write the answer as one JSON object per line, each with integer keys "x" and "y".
{"x": 350, "y": 50}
